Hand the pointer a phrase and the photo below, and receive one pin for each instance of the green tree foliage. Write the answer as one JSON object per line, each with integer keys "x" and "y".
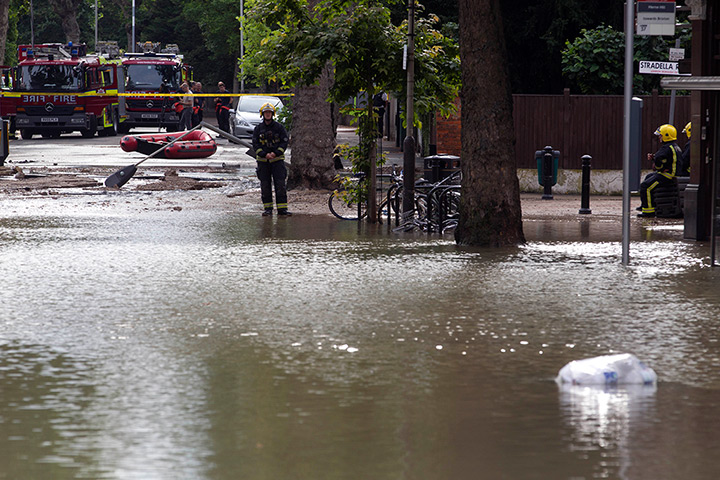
{"x": 362, "y": 44}
{"x": 536, "y": 31}
{"x": 207, "y": 31}
{"x": 17, "y": 7}
{"x": 216, "y": 24}
{"x": 594, "y": 63}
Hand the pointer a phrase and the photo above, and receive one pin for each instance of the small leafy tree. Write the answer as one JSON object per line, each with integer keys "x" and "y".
{"x": 360, "y": 43}
{"x": 365, "y": 50}
{"x": 594, "y": 61}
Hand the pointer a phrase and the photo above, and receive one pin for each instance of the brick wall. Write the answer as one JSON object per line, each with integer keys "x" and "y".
{"x": 448, "y": 132}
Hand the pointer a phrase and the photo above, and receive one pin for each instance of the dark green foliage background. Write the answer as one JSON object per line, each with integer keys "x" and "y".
{"x": 536, "y": 32}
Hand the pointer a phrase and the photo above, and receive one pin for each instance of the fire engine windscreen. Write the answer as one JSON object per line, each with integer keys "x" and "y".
{"x": 152, "y": 77}
{"x": 49, "y": 78}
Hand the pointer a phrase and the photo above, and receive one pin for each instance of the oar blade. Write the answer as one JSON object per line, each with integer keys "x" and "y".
{"x": 121, "y": 177}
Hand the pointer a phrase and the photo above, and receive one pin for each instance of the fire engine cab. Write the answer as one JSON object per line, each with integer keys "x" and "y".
{"x": 153, "y": 70}
{"x": 60, "y": 88}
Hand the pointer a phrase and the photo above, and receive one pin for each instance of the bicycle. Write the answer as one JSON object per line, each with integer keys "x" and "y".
{"x": 347, "y": 203}
{"x": 436, "y": 204}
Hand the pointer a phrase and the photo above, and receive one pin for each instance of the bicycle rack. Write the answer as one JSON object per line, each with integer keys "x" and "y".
{"x": 439, "y": 195}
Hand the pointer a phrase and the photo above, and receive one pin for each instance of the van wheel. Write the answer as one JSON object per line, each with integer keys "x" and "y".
{"x": 26, "y": 133}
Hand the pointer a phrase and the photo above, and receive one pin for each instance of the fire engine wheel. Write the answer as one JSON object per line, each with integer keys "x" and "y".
{"x": 92, "y": 128}
{"x": 26, "y": 133}
{"x": 123, "y": 129}
{"x": 115, "y": 127}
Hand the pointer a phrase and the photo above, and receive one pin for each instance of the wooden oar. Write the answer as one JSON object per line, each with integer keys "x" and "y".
{"x": 121, "y": 177}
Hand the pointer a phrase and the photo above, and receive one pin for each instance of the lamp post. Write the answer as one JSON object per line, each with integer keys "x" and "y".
{"x": 132, "y": 48}
{"x": 32, "y": 27}
{"x": 242, "y": 45}
{"x": 409, "y": 143}
{"x": 629, "y": 30}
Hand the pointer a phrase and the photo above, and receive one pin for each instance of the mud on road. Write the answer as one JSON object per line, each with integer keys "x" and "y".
{"x": 76, "y": 166}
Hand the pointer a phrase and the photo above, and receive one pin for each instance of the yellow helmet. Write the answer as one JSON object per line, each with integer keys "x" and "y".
{"x": 267, "y": 106}
{"x": 686, "y": 130}
{"x": 667, "y": 132}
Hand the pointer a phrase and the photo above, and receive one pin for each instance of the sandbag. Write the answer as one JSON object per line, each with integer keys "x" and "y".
{"x": 620, "y": 369}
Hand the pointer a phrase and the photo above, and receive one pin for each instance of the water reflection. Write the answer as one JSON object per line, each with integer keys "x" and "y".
{"x": 605, "y": 419}
{"x": 233, "y": 346}
{"x": 39, "y": 386}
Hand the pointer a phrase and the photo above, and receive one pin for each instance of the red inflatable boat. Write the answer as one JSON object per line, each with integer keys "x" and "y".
{"x": 196, "y": 144}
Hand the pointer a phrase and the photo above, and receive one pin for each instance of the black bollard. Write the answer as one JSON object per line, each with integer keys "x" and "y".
{"x": 547, "y": 173}
{"x": 585, "y": 196}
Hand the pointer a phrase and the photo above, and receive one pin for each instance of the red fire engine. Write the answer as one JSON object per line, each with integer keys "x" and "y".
{"x": 7, "y": 102}
{"x": 152, "y": 71}
{"x": 59, "y": 88}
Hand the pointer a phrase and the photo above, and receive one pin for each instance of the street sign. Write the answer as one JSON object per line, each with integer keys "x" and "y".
{"x": 655, "y": 17}
{"x": 677, "y": 54}
{"x": 659, "y": 68}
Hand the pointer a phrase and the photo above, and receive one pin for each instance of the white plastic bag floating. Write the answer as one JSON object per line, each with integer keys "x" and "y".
{"x": 621, "y": 369}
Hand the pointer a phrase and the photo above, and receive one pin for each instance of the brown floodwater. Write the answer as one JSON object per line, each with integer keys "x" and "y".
{"x": 214, "y": 345}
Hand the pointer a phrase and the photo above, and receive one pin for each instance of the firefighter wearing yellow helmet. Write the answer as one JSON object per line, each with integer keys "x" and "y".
{"x": 270, "y": 140}
{"x": 665, "y": 164}
{"x": 684, "y": 167}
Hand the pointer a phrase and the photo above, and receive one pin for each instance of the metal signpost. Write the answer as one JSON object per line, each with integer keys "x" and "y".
{"x": 653, "y": 18}
{"x": 627, "y": 102}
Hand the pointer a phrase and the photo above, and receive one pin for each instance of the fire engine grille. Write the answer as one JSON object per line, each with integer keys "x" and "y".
{"x": 57, "y": 110}
{"x": 144, "y": 104}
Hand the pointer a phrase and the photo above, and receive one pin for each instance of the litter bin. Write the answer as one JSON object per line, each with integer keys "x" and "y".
{"x": 439, "y": 167}
{"x": 539, "y": 156}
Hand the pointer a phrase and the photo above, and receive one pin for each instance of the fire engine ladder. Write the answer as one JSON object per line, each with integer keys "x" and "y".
{"x": 52, "y": 50}
{"x": 715, "y": 225}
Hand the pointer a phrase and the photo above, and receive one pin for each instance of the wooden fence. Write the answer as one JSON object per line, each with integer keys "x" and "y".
{"x": 578, "y": 125}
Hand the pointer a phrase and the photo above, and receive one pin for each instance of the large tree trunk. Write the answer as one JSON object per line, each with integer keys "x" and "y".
{"x": 490, "y": 213}
{"x": 67, "y": 11}
{"x": 313, "y": 136}
{"x": 4, "y": 26}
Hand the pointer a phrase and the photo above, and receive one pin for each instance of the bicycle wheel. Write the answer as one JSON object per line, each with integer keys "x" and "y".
{"x": 387, "y": 207}
{"x": 344, "y": 207}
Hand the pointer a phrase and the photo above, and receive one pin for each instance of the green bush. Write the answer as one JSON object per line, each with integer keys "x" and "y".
{"x": 594, "y": 63}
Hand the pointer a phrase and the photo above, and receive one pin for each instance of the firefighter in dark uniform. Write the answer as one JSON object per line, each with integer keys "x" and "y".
{"x": 222, "y": 109}
{"x": 665, "y": 164}
{"x": 270, "y": 140}
{"x": 684, "y": 167}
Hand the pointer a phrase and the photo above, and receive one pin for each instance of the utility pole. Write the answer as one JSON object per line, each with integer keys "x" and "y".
{"x": 132, "y": 47}
{"x": 242, "y": 45}
{"x": 629, "y": 31}
{"x": 32, "y": 27}
{"x": 409, "y": 143}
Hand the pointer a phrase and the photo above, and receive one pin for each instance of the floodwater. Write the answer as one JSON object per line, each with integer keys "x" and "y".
{"x": 216, "y": 345}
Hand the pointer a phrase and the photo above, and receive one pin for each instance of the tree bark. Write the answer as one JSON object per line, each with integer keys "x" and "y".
{"x": 313, "y": 136}
{"x": 4, "y": 26}
{"x": 490, "y": 213}
{"x": 67, "y": 11}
